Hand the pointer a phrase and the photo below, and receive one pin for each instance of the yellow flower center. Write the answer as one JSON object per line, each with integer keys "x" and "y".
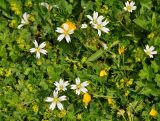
{"x": 121, "y": 50}
{"x": 102, "y": 73}
{"x": 61, "y": 87}
{"x": 129, "y": 7}
{"x": 153, "y": 112}
{"x": 79, "y": 86}
{"x": 86, "y": 98}
{"x": 148, "y": 52}
{"x": 110, "y": 101}
{"x": 37, "y": 49}
{"x": 55, "y": 100}
{"x": 71, "y": 26}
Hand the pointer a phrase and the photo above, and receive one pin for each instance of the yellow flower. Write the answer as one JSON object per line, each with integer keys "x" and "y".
{"x": 130, "y": 82}
{"x": 126, "y": 93}
{"x": 110, "y": 100}
{"x": 86, "y": 98}
{"x": 102, "y": 73}
{"x": 121, "y": 112}
{"x": 35, "y": 108}
{"x": 39, "y": 62}
{"x": 153, "y": 112}
{"x": 121, "y": 50}
{"x": 7, "y": 72}
{"x": 62, "y": 113}
{"x": 28, "y": 4}
{"x": 79, "y": 116}
{"x": 12, "y": 24}
{"x": 31, "y": 18}
{"x": 70, "y": 25}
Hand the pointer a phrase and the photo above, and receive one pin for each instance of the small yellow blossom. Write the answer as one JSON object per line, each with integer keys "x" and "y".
{"x": 79, "y": 116}
{"x": 35, "y": 108}
{"x": 28, "y": 4}
{"x": 110, "y": 100}
{"x": 7, "y": 72}
{"x": 15, "y": 8}
{"x": 12, "y": 24}
{"x": 39, "y": 62}
{"x": 31, "y": 18}
{"x": 70, "y": 25}
{"x": 62, "y": 113}
{"x": 121, "y": 50}
{"x": 86, "y": 98}
{"x": 121, "y": 112}
{"x": 130, "y": 82}
{"x": 153, "y": 112}
{"x": 18, "y": 12}
{"x": 126, "y": 93}
{"x": 102, "y": 73}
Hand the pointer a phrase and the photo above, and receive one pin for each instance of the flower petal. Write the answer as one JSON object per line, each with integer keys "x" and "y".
{"x": 42, "y": 45}
{"x": 84, "y": 84}
{"x": 60, "y": 38}
{"x": 55, "y": 93}
{"x": 73, "y": 86}
{"x": 99, "y": 32}
{"x": 60, "y": 106}
{"x": 32, "y": 50}
{"x": 77, "y": 80}
{"x": 104, "y": 29}
{"x": 78, "y": 91}
{"x": 84, "y": 90}
{"x": 68, "y": 39}
{"x": 52, "y": 106}
{"x": 35, "y": 43}
{"x": 49, "y": 99}
{"x": 65, "y": 27}
{"x": 95, "y": 15}
{"x": 43, "y": 51}
{"x": 19, "y": 26}
{"x": 88, "y": 16}
{"x": 59, "y": 30}
{"x": 62, "y": 98}
{"x": 38, "y": 55}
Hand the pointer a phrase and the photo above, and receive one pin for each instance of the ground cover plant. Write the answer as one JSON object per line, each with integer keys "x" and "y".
{"x": 89, "y": 60}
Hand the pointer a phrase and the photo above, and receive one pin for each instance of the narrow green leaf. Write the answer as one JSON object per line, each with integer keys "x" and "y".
{"x": 96, "y": 55}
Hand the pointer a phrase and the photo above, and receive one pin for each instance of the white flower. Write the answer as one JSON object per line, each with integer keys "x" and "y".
{"x": 129, "y": 6}
{"x": 84, "y": 26}
{"x": 95, "y": 18}
{"x": 149, "y": 51}
{"x": 49, "y": 7}
{"x": 38, "y": 49}
{"x": 100, "y": 26}
{"x": 55, "y": 101}
{"x": 61, "y": 85}
{"x": 24, "y": 20}
{"x": 98, "y": 23}
{"x": 79, "y": 87}
{"x": 65, "y": 32}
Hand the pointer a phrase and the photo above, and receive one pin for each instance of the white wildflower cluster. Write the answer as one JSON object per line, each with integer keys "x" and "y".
{"x": 98, "y": 23}
{"x": 62, "y": 86}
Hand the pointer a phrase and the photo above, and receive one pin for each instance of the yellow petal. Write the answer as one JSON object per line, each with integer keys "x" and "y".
{"x": 70, "y": 25}
{"x": 86, "y": 98}
{"x": 153, "y": 112}
{"x": 102, "y": 73}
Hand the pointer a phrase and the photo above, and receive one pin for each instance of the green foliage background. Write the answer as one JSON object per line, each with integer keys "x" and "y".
{"x": 25, "y": 82}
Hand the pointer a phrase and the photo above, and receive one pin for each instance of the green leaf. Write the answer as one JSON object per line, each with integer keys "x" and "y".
{"x": 140, "y": 21}
{"x": 155, "y": 66}
{"x": 3, "y": 4}
{"x": 95, "y": 56}
{"x": 157, "y": 79}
